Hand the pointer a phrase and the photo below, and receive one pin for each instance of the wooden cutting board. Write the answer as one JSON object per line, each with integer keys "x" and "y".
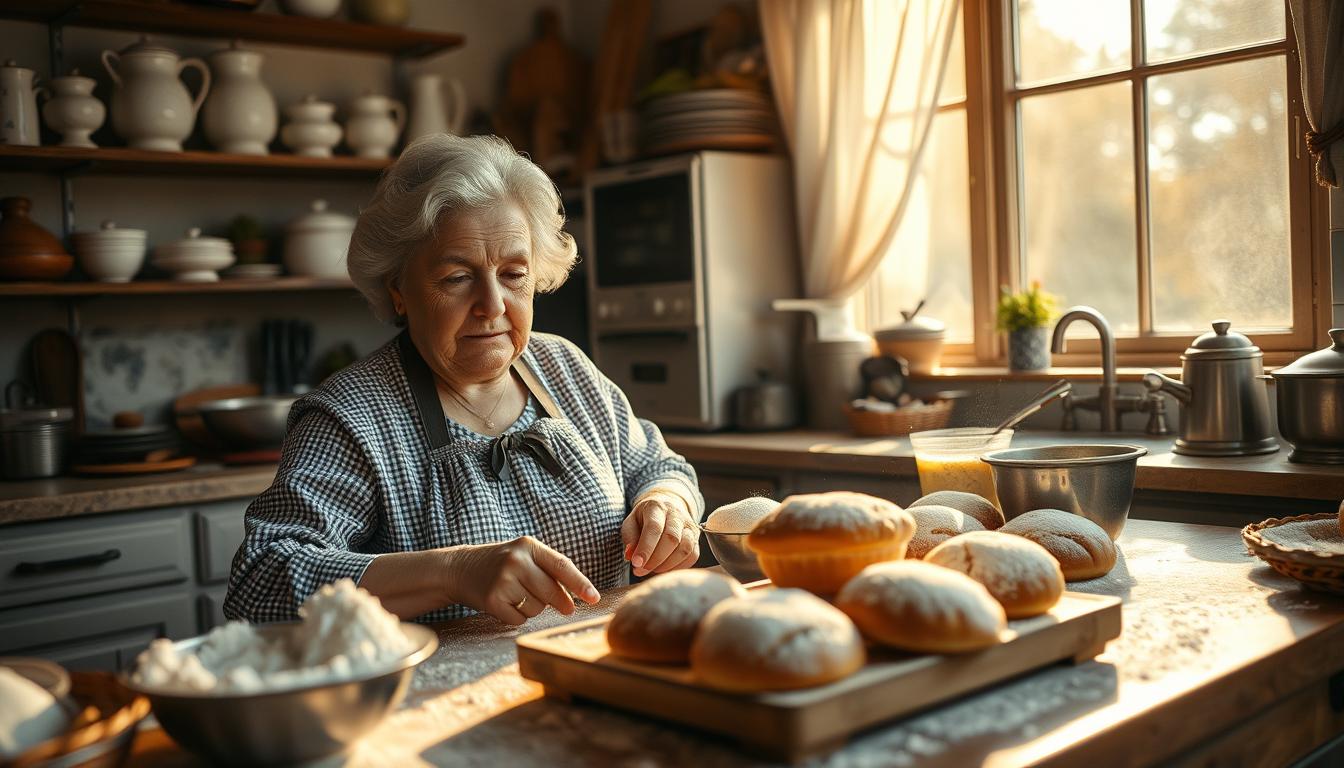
{"x": 574, "y": 661}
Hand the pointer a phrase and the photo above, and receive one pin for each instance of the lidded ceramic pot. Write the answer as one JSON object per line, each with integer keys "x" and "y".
{"x": 151, "y": 107}
{"x": 27, "y": 251}
{"x": 239, "y": 116}
{"x": 374, "y": 125}
{"x": 317, "y": 242}
{"x": 73, "y": 111}
{"x": 311, "y": 131}
{"x": 917, "y": 340}
{"x": 111, "y": 254}
{"x": 18, "y": 105}
{"x": 194, "y": 259}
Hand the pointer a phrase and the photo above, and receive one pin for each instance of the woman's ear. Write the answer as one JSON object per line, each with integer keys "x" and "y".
{"x": 398, "y": 303}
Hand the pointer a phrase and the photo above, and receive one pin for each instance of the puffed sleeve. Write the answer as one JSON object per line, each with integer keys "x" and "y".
{"x": 305, "y": 529}
{"x": 649, "y": 464}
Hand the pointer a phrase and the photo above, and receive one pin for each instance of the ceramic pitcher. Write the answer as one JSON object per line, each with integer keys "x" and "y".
{"x": 240, "y": 114}
{"x": 430, "y": 113}
{"x": 374, "y": 125}
{"x": 18, "y": 106}
{"x": 151, "y": 106}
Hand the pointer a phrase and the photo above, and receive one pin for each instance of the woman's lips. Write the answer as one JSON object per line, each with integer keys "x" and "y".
{"x": 485, "y": 336}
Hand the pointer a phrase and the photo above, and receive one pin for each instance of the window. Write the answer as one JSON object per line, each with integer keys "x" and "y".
{"x": 1147, "y": 163}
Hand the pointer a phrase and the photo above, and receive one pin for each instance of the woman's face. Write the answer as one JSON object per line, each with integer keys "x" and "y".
{"x": 467, "y": 294}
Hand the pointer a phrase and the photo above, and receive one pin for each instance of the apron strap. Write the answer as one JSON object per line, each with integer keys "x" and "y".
{"x": 423, "y": 390}
{"x": 538, "y": 390}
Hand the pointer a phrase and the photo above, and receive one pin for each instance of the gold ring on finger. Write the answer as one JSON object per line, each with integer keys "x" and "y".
{"x": 518, "y": 606}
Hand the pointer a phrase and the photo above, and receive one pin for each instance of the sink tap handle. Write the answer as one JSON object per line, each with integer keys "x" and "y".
{"x": 1156, "y": 406}
{"x": 1070, "y": 420}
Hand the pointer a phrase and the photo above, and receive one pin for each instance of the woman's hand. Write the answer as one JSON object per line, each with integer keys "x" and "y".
{"x": 660, "y": 535}
{"x": 515, "y": 580}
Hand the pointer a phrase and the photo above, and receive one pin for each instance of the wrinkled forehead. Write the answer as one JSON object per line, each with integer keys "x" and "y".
{"x": 496, "y": 232}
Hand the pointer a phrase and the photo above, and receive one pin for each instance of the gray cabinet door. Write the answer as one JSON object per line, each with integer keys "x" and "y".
{"x": 99, "y": 633}
{"x": 219, "y": 531}
{"x": 210, "y": 609}
{"x": 63, "y": 559}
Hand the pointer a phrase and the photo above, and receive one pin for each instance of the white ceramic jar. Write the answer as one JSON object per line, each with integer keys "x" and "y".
{"x": 374, "y": 125}
{"x": 317, "y": 242}
{"x": 73, "y": 111}
{"x": 18, "y": 105}
{"x": 112, "y": 254}
{"x": 194, "y": 259}
{"x": 311, "y": 131}
{"x": 151, "y": 107}
{"x": 240, "y": 115}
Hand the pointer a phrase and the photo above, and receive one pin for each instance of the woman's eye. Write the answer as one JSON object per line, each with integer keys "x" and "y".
{"x": 515, "y": 275}
{"x": 462, "y": 278}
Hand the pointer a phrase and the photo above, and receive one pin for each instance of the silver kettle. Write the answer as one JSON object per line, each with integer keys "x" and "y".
{"x": 1224, "y": 406}
{"x": 765, "y": 405}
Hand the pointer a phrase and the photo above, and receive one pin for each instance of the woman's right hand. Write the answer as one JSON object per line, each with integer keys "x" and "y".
{"x": 515, "y": 580}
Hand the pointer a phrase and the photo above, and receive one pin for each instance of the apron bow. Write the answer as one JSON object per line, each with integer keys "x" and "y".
{"x": 531, "y": 441}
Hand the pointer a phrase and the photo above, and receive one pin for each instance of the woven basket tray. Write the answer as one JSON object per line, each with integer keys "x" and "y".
{"x": 101, "y": 734}
{"x": 902, "y": 421}
{"x": 1318, "y": 569}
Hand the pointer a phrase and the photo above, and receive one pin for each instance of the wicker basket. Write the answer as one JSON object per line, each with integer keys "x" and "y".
{"x": 902, "y": 421}
{"x": 1315, "y": 568}
{"x": 101, "y": 734}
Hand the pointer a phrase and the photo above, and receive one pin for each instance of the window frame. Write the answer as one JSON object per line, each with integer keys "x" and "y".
{"x": 996, "y": 247}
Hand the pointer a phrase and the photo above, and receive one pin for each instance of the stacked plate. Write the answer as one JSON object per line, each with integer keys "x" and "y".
{"x": 721, "y": 118}
{"x": 127, "y": 445}
{"x": 194, "y": 259}
{"x": 252, "y": 271}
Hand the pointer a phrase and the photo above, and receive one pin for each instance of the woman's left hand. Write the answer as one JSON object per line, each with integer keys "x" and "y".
{"x": 660, "y": 536}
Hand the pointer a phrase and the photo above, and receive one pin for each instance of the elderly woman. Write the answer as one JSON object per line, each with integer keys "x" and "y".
{"x": 469, "y": 464}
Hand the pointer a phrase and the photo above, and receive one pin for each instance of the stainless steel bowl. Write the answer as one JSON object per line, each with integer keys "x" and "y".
{"x": 1095, "y": 481}
{"x": 248, "y": 423}
{"x": 731, "y": 550}
{"x": 287, "y": 726}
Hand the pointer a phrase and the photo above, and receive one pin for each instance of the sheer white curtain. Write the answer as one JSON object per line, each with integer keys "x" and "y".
{"x": 1319, "y": 28}
{"x": 856, "y": 84}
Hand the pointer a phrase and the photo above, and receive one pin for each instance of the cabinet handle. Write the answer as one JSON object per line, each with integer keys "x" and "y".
{"x": 70, "y": 563}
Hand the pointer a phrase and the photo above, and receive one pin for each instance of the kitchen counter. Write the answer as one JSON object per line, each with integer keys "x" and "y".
{"x": 1221, "y": 661}
{"x": 1160, "y": 470}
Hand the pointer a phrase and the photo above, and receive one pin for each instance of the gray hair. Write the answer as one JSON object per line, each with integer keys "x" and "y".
{"x": 442, "y": 175}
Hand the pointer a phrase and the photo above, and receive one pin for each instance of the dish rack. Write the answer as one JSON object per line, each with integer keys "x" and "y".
{"x": 902, "y": 421}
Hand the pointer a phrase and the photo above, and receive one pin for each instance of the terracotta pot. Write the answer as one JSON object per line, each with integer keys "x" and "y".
{"x": 27, "y": 251}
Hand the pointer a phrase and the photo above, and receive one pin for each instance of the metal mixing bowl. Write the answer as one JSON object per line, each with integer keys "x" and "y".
{"x": 1095, "y": 481}
{"x": 287, "y": 726}
{"x": 248, "y": 423}
{"x": 730, "y": 549}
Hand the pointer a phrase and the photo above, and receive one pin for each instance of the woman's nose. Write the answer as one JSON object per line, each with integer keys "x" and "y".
{"x": 489, "y": 301}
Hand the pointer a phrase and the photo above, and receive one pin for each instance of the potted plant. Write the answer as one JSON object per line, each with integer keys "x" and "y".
{"x": 1026, "y": 316}
{"x": 249, "y": 240}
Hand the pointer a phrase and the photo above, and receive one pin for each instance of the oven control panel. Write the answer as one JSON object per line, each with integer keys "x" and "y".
{"x": 665, "y": 305}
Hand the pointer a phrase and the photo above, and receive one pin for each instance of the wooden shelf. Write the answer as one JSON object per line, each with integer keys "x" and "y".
{"x": 144, "y": 287}
{"x": 123, "y": 160}
{"x": 198, "y": 21}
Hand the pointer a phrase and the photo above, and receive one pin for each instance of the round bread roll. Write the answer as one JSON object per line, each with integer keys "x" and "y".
{"x": 935, "y": 524}
{"x": 740, "y": 516}
{"x": 1018, "y": 572}
{"x": 924, "y": 608}
{"x": 973, "y": 504}
{"x": 774, "y": 640}
{"x": 1083, "y": 549}
{"x": 1341, "y": 518}
{"x": 657, "y": 620}
{"x": 819, "y": 541}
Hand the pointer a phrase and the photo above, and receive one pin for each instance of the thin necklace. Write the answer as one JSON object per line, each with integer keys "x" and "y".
{"x": 487, "y": 419}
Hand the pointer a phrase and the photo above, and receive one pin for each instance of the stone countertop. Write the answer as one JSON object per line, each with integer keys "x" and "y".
{"x": 1160, "y": 470}
{"x": 31, "y": 500}
{"x": 1218, "y": 652}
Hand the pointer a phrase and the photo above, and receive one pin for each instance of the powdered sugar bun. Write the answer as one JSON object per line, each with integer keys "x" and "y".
{"x": 916, "y": 606}
{"x": 818, "y": 541}
{"x": 740, "y": 516}
{"x": 773, "y": 640}
{"x": 1083, "y": 549}
{"x": 935, "y": 524}
{"x": 973, "y": 504}
{"x": 1018, "y": 572}
{"x": 657, "y": 620}
{"x": 1341, "y": 517}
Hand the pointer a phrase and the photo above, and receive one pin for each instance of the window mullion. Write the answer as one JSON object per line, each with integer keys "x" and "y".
{"x": 1138, "y": 92}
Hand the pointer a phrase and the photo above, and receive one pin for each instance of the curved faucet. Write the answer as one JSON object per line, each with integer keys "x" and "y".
{"x": 1106, "y": 394}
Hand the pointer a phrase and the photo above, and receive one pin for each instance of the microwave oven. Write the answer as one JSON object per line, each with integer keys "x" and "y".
{"x": 685, "y": 256}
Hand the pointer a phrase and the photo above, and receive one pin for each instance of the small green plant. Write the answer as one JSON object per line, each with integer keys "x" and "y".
{"x": 1033, "y": 308}
{"x": 244, "y": 228}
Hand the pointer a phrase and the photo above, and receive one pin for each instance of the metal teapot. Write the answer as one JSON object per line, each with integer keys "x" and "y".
{"x": 1224, "y": 407}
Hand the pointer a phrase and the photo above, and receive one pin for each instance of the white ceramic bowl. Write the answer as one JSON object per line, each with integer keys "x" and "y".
{"x": 111, "y": 254}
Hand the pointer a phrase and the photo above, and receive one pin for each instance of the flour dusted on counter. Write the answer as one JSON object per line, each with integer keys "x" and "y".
{"x": 345, "y": 632}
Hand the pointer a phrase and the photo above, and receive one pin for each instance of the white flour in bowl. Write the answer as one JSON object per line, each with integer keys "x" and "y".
{"x": 345, "y": 632}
